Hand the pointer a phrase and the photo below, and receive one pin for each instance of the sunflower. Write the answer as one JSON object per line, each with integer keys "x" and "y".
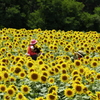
{"x": 55, "y": 47}
{"x": 3, "y": 50}
{"x": 98, "y": 76}
{"x": 40, "y": 98}
{"x": 3, "y": 87}
{"x": 63, "y": 71}
{"x": 81, "y": 70}
{"x": 94, "y": 63}
{"x": 78, "y": 88}
{"x": 12, "y": 69}
{"x": 64, "y": 77}
{"x": 6, "y": 97}
{"x": 52, "y": 88}
{"x": 45, "y": 73}
{"x": 22, "y": 61}
{"x": 66, "y": 49}
{"x": 98, "y": 47}
{"x": 98, "y": 95}
{"x": 14, "y": 87}
{"x": 40, "y": 62}
{"x": 58, "y": 66}
{"x": 75, "y": 72}
{"x": 19, "y": 64}
{"x": 5, "y": 75}
{"x": 30, "y": 64}
{"x": 1, "y": 77}
{"x": 43, "y": 79}
{"x": 77, "y": 63}
{"x": 17, "y": 58}
{"x": 56, "y": 70}
{"x": 17, "y": 70}
{"x": 31, "y": 70}
{"x": 64, "y": 65}
{"x": 12, "y": 79}
{"x": 22, "y": 74}
{"x": 34, "y": 76}
{"x": 51, "y": 80}
{"x": 86, "y": 61}
{"x": 9, "y": 55}
{"x": 51, "y": 46}
{"x": 25, "y": 89}
{"x": 69, "y": 92}
{"x": 92, "y": 79}
{"x": 10, "y": 91}
{"x": 51, "y": 97}
{"x": 85, "y": 89}
{"x": 20, "y": 96}
{"x": 75, "y": 76}
{"x": 51, "y": 72}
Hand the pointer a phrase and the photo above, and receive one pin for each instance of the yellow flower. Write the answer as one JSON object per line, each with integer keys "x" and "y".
{"x": 40, "y": 98}
{"x": 2, "y": 87}
{"x": 43, "y": 79}
{"x": 14, "y": 87}
{"x": 77, "y": 63}
{"x": 78, "y": 88}
{"x": 98, "y": 47}
{"x": 98, "y": 95}
{"x": 51, "y": 80}
{"x": 45, "y": 73}
{"x": 69, "y": 92}
{"x": 17, "y": 70}
{"x": 75, "y": 72}
{"x": 12, "y": 79}
{"x": 98, "y": 76}
{"x": 5, "y": 75}
{"x": 94, "y": 63}
{"x": 52, "y": 88}
{"x": 22, "y": 74}
{"x": 30, "y": 64}
{"x": 25, "y": 89}
{"x": 81, "y": 70}
{"x": 1, "y": 77}
{"x": 40, "y": 62}
{"x": 64, "y": 77}
{"x": 51, "y": 97}
{"x": 6, "y": 97}
{"x": 10, "y": 91}
{"x": 34, "y": 76}
{"x": 20, "y": 96}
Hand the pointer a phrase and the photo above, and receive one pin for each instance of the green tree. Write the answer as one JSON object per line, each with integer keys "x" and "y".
{"x": 35, "y": 20}
{"x": 71, "y": 12}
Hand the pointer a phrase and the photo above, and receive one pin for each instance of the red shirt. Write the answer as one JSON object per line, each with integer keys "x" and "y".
{"x": 30, "y": 52}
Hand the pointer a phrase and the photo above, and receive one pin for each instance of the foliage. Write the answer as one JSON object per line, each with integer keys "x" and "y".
{"x": 52, "y": 14}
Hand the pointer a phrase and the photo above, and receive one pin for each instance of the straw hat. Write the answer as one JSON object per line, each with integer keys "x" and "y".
{"x": 80, "y": 52}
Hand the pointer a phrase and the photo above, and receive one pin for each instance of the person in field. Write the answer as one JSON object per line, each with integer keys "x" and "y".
{"x": 33, "y": 50}
{"x": 78, "y": 55}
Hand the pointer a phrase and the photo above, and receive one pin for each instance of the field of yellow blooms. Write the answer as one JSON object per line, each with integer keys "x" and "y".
{"x": 53, "y": 76}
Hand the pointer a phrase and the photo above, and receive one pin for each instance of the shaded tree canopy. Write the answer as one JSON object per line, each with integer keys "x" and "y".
{"x": 82, "y": 15}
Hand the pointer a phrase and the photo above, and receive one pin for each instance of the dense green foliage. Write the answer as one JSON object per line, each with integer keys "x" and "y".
{"x": 82, "y": 15}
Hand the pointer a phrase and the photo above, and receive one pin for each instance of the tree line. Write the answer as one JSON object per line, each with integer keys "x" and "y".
{"x": 79, "y": 15}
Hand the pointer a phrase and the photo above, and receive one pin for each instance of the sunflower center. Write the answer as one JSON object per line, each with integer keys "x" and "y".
{"x": 34, "y": 76}
{"x": 10, "y": 92}
{"x": 78, "y": 88}
{"x": 20, "y": 96}
{"x": 25, "y": 89}
{"x": 69, "y": 92}
{"x": 52, "y": 97}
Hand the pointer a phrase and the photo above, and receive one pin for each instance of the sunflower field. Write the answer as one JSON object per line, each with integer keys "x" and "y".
{"x": 53, "y": 76}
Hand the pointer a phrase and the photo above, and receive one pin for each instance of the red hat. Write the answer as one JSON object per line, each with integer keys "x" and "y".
{"x": 33, "y": 41}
